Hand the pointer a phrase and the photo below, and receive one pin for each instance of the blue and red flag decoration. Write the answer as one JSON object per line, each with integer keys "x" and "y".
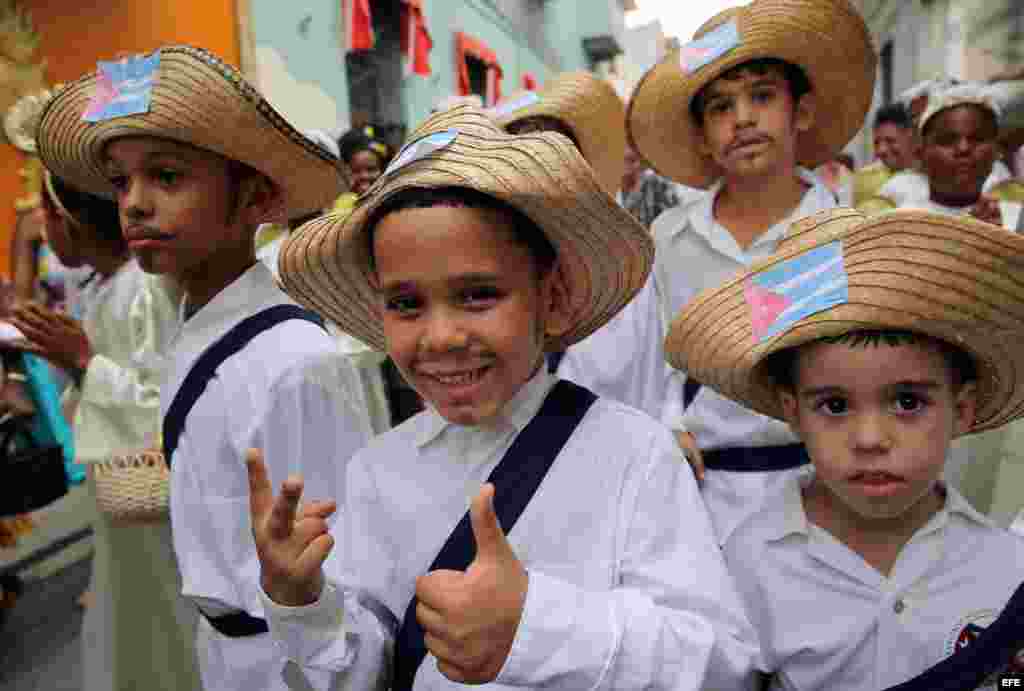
{"x": 796, "y": 288}
{"x": 709, "y": 47}
{"x": 123, "y": 87}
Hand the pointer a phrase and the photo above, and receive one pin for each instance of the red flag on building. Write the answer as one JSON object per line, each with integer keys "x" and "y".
{"x": 529, "y": 81}
{"x": 415, "y": 39}
{"x": 466, "y": 45}
{"x": 358, "y": 25}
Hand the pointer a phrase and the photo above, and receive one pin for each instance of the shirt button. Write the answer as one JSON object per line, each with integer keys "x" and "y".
{"x": 898, "y": 606}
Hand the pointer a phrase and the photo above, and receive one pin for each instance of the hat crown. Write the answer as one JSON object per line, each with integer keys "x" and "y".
{"x": 717, "y": 20}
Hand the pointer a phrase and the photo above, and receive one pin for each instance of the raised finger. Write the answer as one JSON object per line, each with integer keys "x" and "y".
{"x": 261, "y": 494}
{"x": 282, "y": 513}
{"x": 430, "y": 619}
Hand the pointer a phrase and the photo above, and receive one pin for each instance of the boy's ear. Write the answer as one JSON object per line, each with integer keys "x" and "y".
{"x": 556, "y": 311}
{"x": 965, "y": 408}
{"x": 260, "y": 201}
{"x": 787, "y": 398}
{"x": 806, "y": 112}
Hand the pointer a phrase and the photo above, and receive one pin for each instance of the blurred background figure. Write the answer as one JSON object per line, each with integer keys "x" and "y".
{"x": 896, "y": 148}
{"x": 837, "y": 174}
{"x": 364, "y": 157}
{"x": 137, "y": 631}
{"x": 645, "y": 194}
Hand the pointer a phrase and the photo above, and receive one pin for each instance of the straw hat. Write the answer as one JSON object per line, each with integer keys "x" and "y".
{"x": 590, "y": 107}
{"x": 197, "y": 99}
{"x": 949, "y": 277}
{"x": 825, "y": 38}
{"x": 604, "y": 255}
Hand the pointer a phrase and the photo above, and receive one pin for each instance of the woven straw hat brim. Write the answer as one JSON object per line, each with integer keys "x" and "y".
{"x": 199, "y": 100}
{"x": 595, "y": 114}
{"x": 604, "y": 255}
{"x": 954, "y": 279}
{"x": 826, "y": 38}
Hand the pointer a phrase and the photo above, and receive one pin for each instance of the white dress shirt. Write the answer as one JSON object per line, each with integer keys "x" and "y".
{"x": 625, "y": 359}
{"x": 627, "y": 588}
{"x": 909, "y": 185}
{"x": 1010, "y": 211}
{"x": 288, "y": 392}
{"x": 129, "y": 318}
{"x": 828, "y": 620}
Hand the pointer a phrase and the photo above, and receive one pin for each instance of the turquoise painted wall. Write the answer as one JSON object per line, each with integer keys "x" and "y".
{"x": 307, "y": 35}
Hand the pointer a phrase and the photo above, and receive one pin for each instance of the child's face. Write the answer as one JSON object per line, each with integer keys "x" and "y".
{"x": 364, "y": 169}
{"x": 877, "y": 420}
{"x": 959, "y": 151}
{"x": 177, "y": 205}
{"x": 463, "y": 307}
{"x": 750, "y": 123}
{"x": 894, "y": 145}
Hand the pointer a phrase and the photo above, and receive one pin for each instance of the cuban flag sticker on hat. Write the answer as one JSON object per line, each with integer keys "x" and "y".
{"x": 509, "y": 107}
{"x": 122, "y": 88}
{"x": 709, "y": 47}
{"x": 420, "y": 148}
{"x": 796, "y": 288}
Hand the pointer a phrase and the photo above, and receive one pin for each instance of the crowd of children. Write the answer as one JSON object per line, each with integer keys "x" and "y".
{"x": 734, "y": 475}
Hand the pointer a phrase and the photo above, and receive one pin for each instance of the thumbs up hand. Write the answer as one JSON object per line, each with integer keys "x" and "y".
{"x": 470, "y": 618}
{"x": 292, "y": 541}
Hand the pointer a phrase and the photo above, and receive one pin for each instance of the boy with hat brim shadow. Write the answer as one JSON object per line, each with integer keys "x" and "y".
{"x": 764, "y": 93}
{"x": 587, "y": 557}
{"x": 196, "y": 159}
{"x": 868, "y": 569}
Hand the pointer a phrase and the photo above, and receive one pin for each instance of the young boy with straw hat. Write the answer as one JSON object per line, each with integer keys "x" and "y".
{"x": 879, "y": 340}
{"x": 196, "y": 159}
{"x": 583, "y": 107}
{"x": 762, "y": 94}
{"x": 475, "y": 253}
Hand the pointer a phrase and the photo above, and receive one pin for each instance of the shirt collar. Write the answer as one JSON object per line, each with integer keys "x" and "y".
{"x": 251, "y": 287}
{"x": 816, "y": 198}
{"x": 517, "y": 413}
{"x": 785, "y": 514}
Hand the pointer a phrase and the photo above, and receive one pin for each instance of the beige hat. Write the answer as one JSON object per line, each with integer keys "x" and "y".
{"x": 188, "y": 95}
{"x": 590, "y": 107}
{"x": 964, "y": 93}
{"x": 604, "y": 255}
{"x": 826, "y": 38}
{"x": 951, "y": 278}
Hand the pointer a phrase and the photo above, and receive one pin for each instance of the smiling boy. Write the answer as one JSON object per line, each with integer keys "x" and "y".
{"x": 759, "y": 97}
{"x": 587, "y": 559}
{"x": 868, "y": 570}
{"x": 193, "y": 177}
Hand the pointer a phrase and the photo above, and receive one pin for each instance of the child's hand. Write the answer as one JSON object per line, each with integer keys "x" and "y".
{"x": 58, "y": 337}
{"x": 291, "y": 542}
{"x": 987, "y": 209}
{"x": 688, "y": 443}
{"x": 470, "y": 618}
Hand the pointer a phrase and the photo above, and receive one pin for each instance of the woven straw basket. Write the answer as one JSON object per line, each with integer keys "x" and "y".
{"x": 133, "y": 488}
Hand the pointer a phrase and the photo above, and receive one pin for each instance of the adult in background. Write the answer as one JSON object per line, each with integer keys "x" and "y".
{"x": 895, "y": 144}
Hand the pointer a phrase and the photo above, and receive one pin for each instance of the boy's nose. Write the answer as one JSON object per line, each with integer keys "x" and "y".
{"x": 134, "y": 201}
{"x": 871, "y": 432}
{"x": 442, "y": 333}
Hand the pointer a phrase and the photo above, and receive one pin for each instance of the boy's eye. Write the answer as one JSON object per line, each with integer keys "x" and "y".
{"x": 403, "y": 305}
{"x": 763, "y": 95}
{"x": 482, "y": 296}
{"x": 908, "y": 402}
{"x": 717, "y": 107}
{"x": 118, "y": 182}
{"x": 832, "y": 406}
{"x": 166, "y": 176}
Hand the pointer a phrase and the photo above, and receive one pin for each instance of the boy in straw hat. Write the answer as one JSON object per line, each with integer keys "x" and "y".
{"x": 584, "y": 108}
{"x": 879, "y": 340}
{"x": 196, "y": 160}
{"x": 763, "y": 93}
{"x": 474, "y": 254}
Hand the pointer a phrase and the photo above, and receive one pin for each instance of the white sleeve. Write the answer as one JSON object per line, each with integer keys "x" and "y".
{"x": 346, "y": 639}
{"x": 624, "y": 360}
{"x": 315, "y": 427}
{"x": 674, "y": 620}
{"x": 119, "y": 405}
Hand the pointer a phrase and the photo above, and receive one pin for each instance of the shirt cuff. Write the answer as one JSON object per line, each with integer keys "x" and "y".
{"x": 565, "y": 634}
{"x": 309, "y": 633}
